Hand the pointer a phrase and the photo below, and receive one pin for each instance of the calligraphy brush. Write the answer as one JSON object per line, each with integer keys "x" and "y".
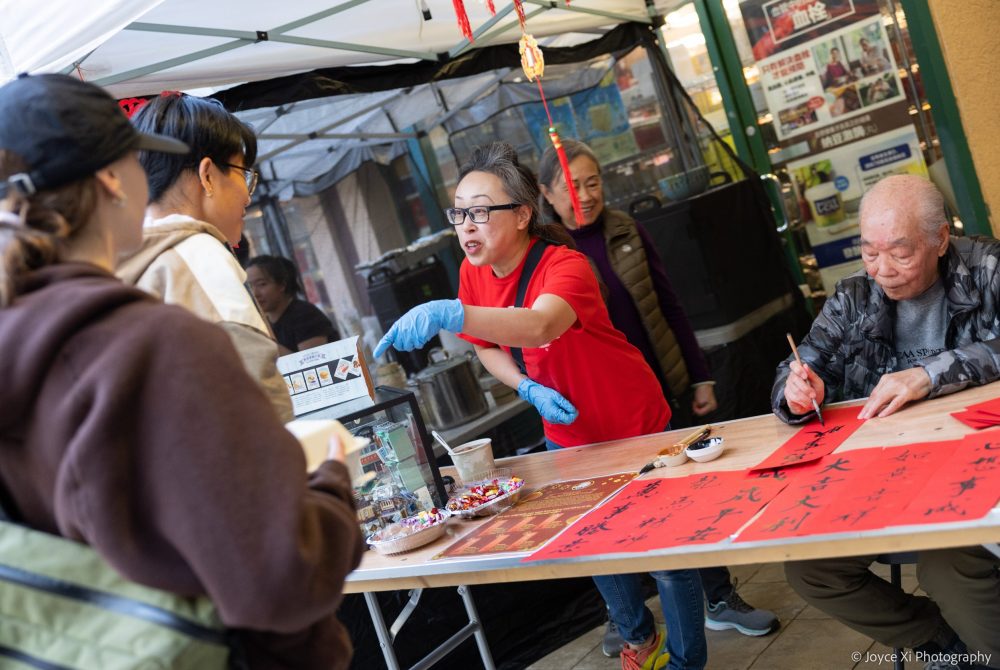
{"x": 795, "y": 350}
{"x": 699, "y": 434}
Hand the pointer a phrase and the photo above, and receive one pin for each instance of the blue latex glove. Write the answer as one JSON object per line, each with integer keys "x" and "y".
{"x": 550, "y": 404}
{"x": 415, "y": 328}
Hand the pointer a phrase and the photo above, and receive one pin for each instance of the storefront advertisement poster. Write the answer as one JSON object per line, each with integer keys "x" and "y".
{"x": 777, "y": 25}
{"x": 855, "y": 167}
{"x": 835, "y": 77}
{"x": 866, "y": 125}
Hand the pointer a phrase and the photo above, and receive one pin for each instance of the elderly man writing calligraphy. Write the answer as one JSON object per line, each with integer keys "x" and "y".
{"x": 920, "y": 322}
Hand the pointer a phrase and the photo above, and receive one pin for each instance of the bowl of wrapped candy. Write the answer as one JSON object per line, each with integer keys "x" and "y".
{"x": 489, "y": 493}
{"x": 411, "y": 532}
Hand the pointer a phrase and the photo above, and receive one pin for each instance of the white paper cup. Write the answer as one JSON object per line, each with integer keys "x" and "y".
{"x": 473, "y": 458}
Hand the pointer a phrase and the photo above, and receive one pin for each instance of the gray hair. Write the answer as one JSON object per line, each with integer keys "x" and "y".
{"x": 917, "y": 195}
{"x": 500, "y": 160}
{"x": 549, "y": 170}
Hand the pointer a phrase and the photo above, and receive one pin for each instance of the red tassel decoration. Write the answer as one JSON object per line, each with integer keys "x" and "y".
{"x": 533, "y": 63}
{"x": 489, "y": 6}
{"x": 519, "y": 8}
{"x": 463, "y": 19}
{"x": 564, "y": 162}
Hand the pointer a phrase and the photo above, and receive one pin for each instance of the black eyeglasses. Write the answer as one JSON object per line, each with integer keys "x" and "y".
{"x": 249, "y": 174}
{"x": 478, "y": 214}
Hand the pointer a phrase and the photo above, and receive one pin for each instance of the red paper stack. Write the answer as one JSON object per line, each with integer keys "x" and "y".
{"x": 981, "y": 415}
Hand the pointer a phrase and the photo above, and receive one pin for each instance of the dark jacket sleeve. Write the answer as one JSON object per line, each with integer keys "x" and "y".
{"x": 184, "y": 479}
{"x": 970, "y": 365}
{"x": 673, "y": 312}
{"x": 822, "y": 351}
{"x": 973, "y": 363}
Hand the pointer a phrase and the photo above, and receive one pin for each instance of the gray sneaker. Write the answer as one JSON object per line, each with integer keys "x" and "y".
{"x": 613, "y": 642}
{"x": 943, "y": 665}
{"x": 954, "y": 656}
{"x": 734, "y": 612}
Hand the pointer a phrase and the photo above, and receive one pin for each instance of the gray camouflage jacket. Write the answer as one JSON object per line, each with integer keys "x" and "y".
{"x": 850, "y": 344}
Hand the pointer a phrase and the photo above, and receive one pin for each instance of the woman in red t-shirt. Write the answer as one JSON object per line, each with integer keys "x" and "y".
{"x": 584, "y": 378}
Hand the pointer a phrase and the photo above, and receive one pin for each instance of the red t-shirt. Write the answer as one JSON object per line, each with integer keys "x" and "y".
{"x": 592, "y": 364}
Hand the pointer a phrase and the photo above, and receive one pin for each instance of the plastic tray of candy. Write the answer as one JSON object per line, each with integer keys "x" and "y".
{"x": 401, "y": 536}
{"x": 497, "y": 477}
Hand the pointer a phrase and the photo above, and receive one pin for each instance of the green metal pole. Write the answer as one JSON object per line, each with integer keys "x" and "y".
{"x": 944, "y": 109}
{"x": 736, "y": 97}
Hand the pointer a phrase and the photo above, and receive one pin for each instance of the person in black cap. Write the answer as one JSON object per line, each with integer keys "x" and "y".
{"x": 195, "y": 217}
{"x": 132, "y": 426}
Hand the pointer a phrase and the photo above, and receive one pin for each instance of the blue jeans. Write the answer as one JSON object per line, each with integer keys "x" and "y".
{"x": 680, "y": 598}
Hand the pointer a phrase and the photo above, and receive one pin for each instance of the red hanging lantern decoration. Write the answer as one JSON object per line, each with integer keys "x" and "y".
{"x": 463, "y": 19}
{"x": 533, "y": 64}
{"x": 532, "y": 60}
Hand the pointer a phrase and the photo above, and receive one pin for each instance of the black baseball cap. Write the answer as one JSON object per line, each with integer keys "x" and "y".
{"x": 66, "y": 129}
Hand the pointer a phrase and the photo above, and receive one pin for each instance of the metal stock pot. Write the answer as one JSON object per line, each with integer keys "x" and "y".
{"x": 450, "y": 391}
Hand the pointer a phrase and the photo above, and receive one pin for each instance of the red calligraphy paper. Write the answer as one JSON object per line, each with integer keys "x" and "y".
{"x": 813, "y": 440}
{"x": 878, "y": 497}
{"x": 977, "y": 419}
{"x": 651, "y": 514}
{"x": 981, "y": 415}
{"x": 987, "y": 406}
{"x": 810, "y": 489}
{"x": 964, "y": 489}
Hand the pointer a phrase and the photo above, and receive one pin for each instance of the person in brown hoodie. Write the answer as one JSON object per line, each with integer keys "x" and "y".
{"x": 132, "y": 426}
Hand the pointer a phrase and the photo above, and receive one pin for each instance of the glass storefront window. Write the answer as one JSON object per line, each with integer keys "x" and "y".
{"x": 618, "y": 113}
{"x": 256, "y": 236}
{"x": 685, "y": 44}
{"x": 839, "y": 104}
{"x": 413, "y": 216}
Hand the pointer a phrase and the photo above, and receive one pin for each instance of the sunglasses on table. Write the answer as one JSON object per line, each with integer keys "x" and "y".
{"x": 477, "y": 214}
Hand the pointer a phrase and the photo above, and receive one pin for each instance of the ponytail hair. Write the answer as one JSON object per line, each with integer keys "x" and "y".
{"x": 500, "y": 159}
{"x": 33, "y": 229}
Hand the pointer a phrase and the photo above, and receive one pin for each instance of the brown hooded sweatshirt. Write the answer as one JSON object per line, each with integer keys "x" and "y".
{"x": 132, "y": 426}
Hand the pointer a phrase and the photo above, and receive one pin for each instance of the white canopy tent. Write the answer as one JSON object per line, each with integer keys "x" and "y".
{"x": 142, "y": 47}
